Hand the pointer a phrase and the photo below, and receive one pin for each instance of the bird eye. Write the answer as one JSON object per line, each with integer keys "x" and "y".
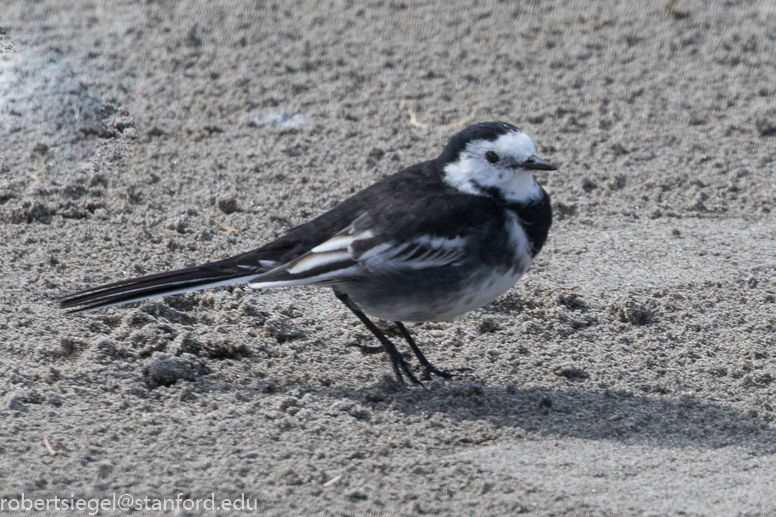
{"x": 491, "y": 156}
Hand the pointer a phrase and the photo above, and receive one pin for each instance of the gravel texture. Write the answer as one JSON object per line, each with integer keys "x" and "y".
{"x": 631, "y": 372}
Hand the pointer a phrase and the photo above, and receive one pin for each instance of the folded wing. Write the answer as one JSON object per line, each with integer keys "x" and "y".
{"x": 362, "y": 249}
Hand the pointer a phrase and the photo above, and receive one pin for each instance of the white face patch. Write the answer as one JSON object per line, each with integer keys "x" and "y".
{"x": 472, "y": 172}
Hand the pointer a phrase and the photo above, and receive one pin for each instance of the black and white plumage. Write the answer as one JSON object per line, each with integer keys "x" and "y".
{"x": 429, "y": 243}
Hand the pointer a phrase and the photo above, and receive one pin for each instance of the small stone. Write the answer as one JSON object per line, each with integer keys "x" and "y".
{"x": 564, "y": 211}
{"x": 15, "y": 403}
{"x": 31, "y": 212}
{"x": 40, "y": 148}
{"x": 18, "y": 401}
{"x": 228, "y": 206}
{"x": 287, "y": 403}
{"x": 766, "y": 127}
{"x": 488, "y": 326}
{"x": 572, "y": 373}
{"x": 572, "y": 301}
{"x": 634, "y": 312}
{"x": 282, "y": 329}
{"x": 357, "y": 495}
{"x": 164, "y": 370}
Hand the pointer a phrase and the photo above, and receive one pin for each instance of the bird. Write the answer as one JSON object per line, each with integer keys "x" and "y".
{"x": 428, "y": 243}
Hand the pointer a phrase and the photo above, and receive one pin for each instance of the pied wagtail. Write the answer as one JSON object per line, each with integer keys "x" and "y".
{"x": 429, "y": 243}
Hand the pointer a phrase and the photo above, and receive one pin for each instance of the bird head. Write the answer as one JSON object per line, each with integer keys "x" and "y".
{"x": 493, "y": 159}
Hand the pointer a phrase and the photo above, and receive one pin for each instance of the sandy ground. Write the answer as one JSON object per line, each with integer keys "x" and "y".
{"x": 631, "y": 372}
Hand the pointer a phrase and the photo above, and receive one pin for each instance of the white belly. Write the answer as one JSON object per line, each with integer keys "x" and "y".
{"x": 478, "y": 295}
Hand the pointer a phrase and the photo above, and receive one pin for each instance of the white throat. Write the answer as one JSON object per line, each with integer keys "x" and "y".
{"x": 520, "y": 187}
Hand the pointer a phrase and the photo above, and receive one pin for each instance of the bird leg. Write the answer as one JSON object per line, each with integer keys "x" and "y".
{"x": 397, "y": 361}
{"x": 428, "y": 368}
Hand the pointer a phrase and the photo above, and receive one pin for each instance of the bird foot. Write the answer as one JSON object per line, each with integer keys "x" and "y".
{"x": 430, "y": 369}
{"x": 397, "y": 361}
{"x": 399, "y": 366}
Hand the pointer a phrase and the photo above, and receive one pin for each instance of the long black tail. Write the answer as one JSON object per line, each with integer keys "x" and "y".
{"x": 224, "y": 272}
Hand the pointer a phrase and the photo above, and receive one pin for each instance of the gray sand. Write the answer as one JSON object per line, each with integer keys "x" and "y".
{"x": 631, "y": 372}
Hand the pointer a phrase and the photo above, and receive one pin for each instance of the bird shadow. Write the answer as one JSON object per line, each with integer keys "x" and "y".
{"x": 607, "y": 415}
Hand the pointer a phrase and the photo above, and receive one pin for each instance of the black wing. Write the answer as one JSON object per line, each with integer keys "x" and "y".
{"x": 428, "y": 231}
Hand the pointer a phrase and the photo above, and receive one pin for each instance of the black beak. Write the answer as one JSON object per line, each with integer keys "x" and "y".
{"x": 537, "y": 164}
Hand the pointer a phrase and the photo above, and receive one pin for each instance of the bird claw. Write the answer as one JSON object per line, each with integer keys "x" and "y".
{"x": 400, "y": 364}
{"x": 445, "y": 374}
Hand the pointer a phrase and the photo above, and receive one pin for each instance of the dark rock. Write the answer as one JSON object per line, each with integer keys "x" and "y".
{"x": 634, "y": 312}
{"x": 164, "y": 370}
{"x": 40, "y": 148}
{"x": 572, "y": 301}
{"x": 572, "y": 373}
{"x": 282, "y": 329}
{"x": 31, "y": 212}
{"x": 228, "y": 206}
{"x": 766, "y": 127}
{"x": 589, "y": 185}
{"x": 488, "y": 326}
{"x": 563, "y": 211}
